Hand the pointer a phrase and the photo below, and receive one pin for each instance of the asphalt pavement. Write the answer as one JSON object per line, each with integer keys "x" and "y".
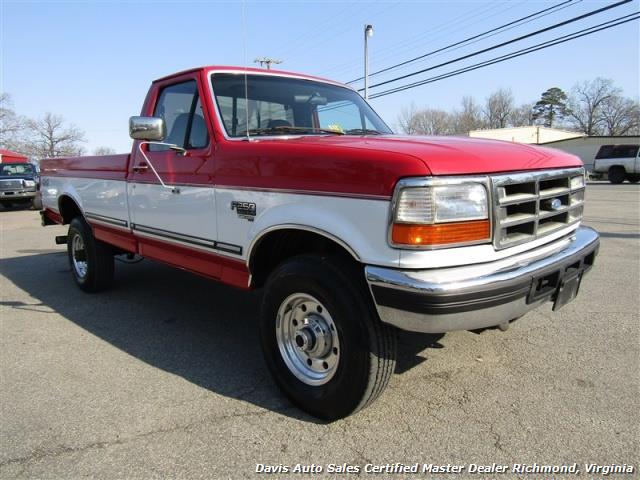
{"x": 163, "y": 377}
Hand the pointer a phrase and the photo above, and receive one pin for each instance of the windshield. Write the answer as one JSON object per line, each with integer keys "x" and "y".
{"x": 286, "y": 106}
{"x": 9, "y": 169}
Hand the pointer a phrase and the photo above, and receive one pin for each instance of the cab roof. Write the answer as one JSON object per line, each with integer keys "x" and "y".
{"x": 226, "y": 68}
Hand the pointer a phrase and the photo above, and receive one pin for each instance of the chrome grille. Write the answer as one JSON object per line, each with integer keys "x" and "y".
{"x": 530, "y": 205}
{"x": 11, "y": 184}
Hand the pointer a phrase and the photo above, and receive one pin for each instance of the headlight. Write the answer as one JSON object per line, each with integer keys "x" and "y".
{"x": 440, "y": 214}
{"x": 577, "y": 182}
{"x": 29, "y": 183}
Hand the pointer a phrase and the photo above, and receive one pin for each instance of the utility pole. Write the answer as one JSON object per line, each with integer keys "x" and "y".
{"x": 368, "y": 32}
{"x": 267, "y": 61}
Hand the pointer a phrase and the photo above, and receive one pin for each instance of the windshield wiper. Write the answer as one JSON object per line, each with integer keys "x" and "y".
{"x": 362, "y": 131}
{"x": 286, "y": 129}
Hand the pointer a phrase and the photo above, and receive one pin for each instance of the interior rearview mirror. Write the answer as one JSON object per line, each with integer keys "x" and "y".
{"x": 147, "y": 128}
{"x": 313, "y": 99}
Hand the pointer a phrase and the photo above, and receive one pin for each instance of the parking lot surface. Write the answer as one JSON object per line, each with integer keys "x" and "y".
{"x": 163, "y": 376}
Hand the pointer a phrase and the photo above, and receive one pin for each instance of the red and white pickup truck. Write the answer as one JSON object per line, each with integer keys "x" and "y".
{"x": 274, "y": 180}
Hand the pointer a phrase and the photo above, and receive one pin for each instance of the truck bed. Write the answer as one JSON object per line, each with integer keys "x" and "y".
{"x": 113, "y": 167}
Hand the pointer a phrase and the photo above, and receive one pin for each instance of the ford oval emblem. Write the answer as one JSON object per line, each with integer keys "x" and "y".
{"x": 555, "y": 204}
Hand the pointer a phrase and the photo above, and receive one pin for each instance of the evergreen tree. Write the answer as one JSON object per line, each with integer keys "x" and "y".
{"x": 551, "y": 107}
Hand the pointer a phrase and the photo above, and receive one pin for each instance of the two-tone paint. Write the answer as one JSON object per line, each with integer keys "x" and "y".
{"x": 339, "y": 187}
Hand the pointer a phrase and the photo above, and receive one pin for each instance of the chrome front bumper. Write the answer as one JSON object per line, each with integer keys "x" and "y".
{"x": 17, "y": 194}
{"x": 483, "y": 295}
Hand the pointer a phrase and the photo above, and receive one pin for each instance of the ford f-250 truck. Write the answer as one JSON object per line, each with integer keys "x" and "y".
{"x": 274, "y": 180}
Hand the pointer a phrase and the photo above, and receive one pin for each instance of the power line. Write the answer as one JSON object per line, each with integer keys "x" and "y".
{"x": 330, "y": 22}
{"x": 391, "y": 51}
{"x": 517, "y": 39}
{"x": 466, "y": 40}
{"x": 334, "y": 28}
{"x": 518, "y": 53}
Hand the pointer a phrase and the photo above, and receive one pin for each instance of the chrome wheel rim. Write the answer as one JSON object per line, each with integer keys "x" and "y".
{"x": 79, "y": 256}
{"x": 307, "y": 339}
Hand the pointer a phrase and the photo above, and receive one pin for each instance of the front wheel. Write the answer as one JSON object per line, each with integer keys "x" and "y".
{"x": 36, "y": 203}
{"x": 322, "y": 339}
{"x": 91, "y": 260}
{"x": 633, "y": 178}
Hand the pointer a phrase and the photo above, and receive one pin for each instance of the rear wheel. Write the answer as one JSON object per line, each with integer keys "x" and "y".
{"x": 91, "y": 260}
{"x": 617, "y": 175}
{"x": 322, "y": 339}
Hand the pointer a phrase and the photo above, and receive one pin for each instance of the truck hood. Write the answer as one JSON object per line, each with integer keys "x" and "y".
{"x": 454, "y": 155}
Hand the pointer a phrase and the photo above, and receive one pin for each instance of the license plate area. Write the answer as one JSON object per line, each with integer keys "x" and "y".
{"x": 544, "y": 286}
{"x": 560, "y": 286}
{"x": 568, "y": 289}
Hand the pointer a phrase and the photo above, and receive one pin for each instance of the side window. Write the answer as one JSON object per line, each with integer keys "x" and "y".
{"x": 180, "y": 107}
{"x": 625, "y": 151}
{"x": 605, "y": 152}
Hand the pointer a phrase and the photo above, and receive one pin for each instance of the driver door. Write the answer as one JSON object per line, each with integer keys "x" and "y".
{"x": 171, "y": 222}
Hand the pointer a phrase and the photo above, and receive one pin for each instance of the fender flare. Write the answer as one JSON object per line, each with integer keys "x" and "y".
{"x": 296, "y": 226}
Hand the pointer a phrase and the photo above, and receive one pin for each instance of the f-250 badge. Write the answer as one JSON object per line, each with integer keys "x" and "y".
{"x": 246, "y": 210}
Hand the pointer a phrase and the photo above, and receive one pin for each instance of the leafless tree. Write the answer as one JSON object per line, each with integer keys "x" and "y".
{"x": 50, "y": 137}
{"x": 586, "y": 103}
{"x": 406, "y": 119}
{"x": 468, "y": 118}
{"x": 433, "y": 122}
{"x": 522, "y": 116}
{"x": 620, "y": 116}
{"x": 498, "y": 108}
{"x": 12, "y": 126}
{"x": 104, "y": 151}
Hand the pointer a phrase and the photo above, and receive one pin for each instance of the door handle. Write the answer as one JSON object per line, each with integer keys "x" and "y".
{"x": 141, "y": 167}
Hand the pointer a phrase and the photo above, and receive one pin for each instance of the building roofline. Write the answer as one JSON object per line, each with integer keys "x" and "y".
{"x": 586, "y": 137}
{"x": 538, "y": 127}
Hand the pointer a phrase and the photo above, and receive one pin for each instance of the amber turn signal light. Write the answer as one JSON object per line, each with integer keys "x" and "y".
{"x": 440, "y": 233}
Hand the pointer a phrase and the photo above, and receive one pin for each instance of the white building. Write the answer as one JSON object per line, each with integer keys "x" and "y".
{"x": 579, "y": 144}
{"x": 534, "y": 134}
{"x": 587, "y": 147}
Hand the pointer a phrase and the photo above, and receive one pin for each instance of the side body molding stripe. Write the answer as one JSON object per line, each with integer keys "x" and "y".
{"x": 200, "y": 242}
{"x": 105, "y": 219}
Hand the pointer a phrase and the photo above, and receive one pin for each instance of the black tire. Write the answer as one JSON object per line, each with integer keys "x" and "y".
{"x": 98, "y": 258}
{"x": 617, "y": 175}
{"x": 6, "y": 204}
{"x": 633, "y": 178}
{"x": 367, "y": 346}
{"x": 36, "y": 203}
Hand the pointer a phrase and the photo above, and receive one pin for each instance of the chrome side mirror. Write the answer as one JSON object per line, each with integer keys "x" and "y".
{"x": 147, "y": 128}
